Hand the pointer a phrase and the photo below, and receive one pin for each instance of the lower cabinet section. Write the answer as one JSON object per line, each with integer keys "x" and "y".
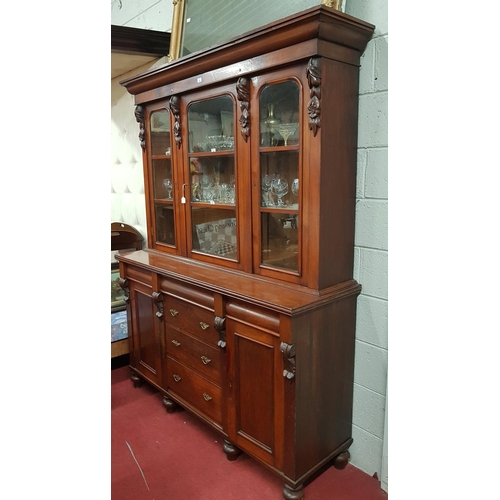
{"x": 274, "y": 377}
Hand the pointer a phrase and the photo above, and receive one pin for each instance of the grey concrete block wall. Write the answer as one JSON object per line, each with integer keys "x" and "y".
{"x": 368, "y": 451}
{"x": 371, "y": 248}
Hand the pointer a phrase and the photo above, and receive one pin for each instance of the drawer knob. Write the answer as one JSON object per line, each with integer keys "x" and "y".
{"x": 203, "y": 325}
{"x": 176, "y": 343}
{"x": 205, "y": 360}
{"x": 173, "y": 312}
{"x": 176, "y": 377}
{"x": 206, "y": 397}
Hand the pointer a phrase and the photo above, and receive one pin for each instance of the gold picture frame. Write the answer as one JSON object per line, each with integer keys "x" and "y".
{"x": 181, "y": 8}
{"x": 176, "y": 33}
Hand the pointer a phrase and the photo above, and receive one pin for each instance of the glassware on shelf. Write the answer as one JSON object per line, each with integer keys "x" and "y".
{"x": 295, "y": 187}
{"x": 286, "y": 130}
{"x": 167, "y": 184}
{"x": 266, "y": 189}
{"x": 219, "y": 143}
{"x": 279, "y": 187}
{"x": 271, "y": 124}
{"x": 206, "y": 187}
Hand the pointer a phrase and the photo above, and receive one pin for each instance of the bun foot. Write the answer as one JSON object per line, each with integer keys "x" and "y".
{"x": 136, "y": 380}
{"x": 231, "y": 451}
{"x": 169, "y": 404}
{"x": 296, "y": 493}
{"x": 340, "y": 461}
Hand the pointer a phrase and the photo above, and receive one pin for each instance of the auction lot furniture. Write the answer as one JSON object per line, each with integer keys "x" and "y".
{"x": 242, "y": 309}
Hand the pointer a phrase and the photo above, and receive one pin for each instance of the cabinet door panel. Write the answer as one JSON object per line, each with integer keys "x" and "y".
{"x": 253, "y": 412}
{"x": 145, "y": 335}
{"x": 160, "y": 181}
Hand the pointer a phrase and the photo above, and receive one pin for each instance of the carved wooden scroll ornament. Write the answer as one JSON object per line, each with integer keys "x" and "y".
{"x": 288, "y": 353}
{"x": 139, "y": 116}
{"x": 220, "y": 326}
{"x": 175, "y": 109}
{"x": 243, "y": 90}
{"x": 314, "y": 105}
{"x": 158, "y": 300}
{"x": 124, "y": 285}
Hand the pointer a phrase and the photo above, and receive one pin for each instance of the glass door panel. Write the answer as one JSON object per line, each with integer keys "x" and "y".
{"x": 279, "y": 112}
{"x": 212, "y": 180}
{"x": 280, "y": 243}
{"x": 212, "y": 175}
{"x": 160, "y": 132}
{"x": 211, "y": 124}
{"x": 162, "y": 177}
{"x": 280, "y": 179}
{"x": 164, "y": 217}
{"x": 214, "y": 231}
{"x": 280, "y": 176}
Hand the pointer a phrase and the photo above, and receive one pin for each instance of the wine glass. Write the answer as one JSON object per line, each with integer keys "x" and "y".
{"x": 286, "y": 130}
{"x": 167, "y": 184}
{"x": 279, "y": 187}
{"x": 266, "y": 187}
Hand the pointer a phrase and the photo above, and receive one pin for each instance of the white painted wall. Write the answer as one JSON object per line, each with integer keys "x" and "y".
{"x": 369, "y": 450}
{"x": 145, "y": 14}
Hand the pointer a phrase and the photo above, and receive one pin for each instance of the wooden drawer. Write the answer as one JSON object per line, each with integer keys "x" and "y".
{"x": 196, "y": 321}
{"x": 196, "y": 355}
{"x": 194, "y": 389}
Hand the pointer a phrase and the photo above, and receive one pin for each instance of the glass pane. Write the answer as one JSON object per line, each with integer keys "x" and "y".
{"x": 211, "y": 125}
{"x": 165, "y": 228}
{"x": 160, "y": 132}
{"x": 162, "y": 179}
{"x": 212, "y": 180}
{"x": 279, "y": 112}
{"x": 280, "y": 240}
{"x": 280, "y": 179}
{"x": 214, "y": 231}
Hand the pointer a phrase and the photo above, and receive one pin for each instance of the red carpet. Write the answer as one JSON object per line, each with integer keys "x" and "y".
{"x": 160, "y": 456}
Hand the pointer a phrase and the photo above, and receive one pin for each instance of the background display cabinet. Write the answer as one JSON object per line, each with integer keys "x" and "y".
{"x": 242, "y": 309}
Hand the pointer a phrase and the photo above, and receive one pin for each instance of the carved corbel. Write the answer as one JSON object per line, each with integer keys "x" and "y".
{"x": 220, "y": 326}
{"x": 158, "y": 300}
{"x": 139, "y": 116}
{"x": 175, "y": 109}
{"x": 288, "y": 354}
{"x": 314, "y": 105}
{"x": 243, "y": 91}
{"x": 124, "y": 285}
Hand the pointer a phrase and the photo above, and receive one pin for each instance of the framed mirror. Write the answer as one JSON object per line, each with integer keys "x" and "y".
{"x": 200, "y": 24}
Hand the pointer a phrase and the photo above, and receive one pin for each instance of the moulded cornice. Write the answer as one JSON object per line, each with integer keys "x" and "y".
{"x": 318, "y": 22}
